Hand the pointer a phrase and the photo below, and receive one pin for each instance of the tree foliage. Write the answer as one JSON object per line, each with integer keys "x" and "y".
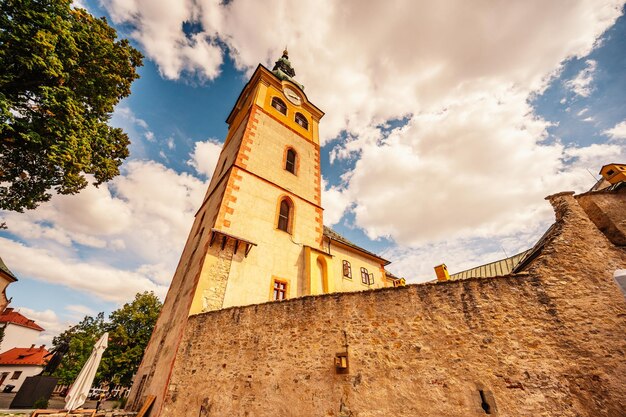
{"x": 62, "y": 71}
{"x": 81, "y": 339}
{"x": 129, "y": 327}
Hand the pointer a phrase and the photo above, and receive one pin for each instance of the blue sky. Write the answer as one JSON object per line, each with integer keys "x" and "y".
{"x": 445, "y": 127}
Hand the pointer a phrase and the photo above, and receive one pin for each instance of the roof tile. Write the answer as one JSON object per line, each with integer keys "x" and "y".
{"x": 25, "y": 356}
{"x": 11, "y": 316}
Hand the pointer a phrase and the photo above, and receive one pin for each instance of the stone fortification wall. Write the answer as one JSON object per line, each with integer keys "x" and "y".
{"x": 607, "y": 210}
{"x": 549, "y": 342}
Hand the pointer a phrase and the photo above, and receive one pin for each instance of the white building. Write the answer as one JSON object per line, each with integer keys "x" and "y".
{"x": 17, "y": 364}
{"x": 17, "y": 330}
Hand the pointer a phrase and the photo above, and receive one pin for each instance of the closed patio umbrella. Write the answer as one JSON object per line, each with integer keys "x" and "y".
{"x": 78, "y": 393}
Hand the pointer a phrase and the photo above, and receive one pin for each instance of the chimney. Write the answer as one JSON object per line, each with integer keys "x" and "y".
{"x": 32, "y": 347}
{"x": 7, "y": 310}
{"x": 42, "y": 346}
{"x": 442, "y": 272}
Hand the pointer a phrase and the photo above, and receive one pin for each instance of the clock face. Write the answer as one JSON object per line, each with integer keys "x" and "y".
{"x": 292, "y": 96}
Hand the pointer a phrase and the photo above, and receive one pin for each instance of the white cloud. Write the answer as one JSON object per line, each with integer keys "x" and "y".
{"x": 170, "y": 143}
{"x": 159, "y": 29}
{"x": 388, "y": 64}
{"x": 47, "y": 319}
{"x": 126, "y": 113}
{"x": 583, "y": 111}
{"x": 617, "y": 132}
{"x": 479, "y": 168}
{"x": 138, "y": 223}
{"x": 581, "y": 84}
{"x": 98, "y": 279}
{"x": 335, "y": 202}
{"x": 136, "y": 128}
{"x": 589, "y": 119}
{"x": 79, "y": 311}
{"x": 204, "y": 157}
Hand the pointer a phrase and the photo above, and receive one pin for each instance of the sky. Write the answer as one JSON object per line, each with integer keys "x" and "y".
{"x": 447, "y": 124}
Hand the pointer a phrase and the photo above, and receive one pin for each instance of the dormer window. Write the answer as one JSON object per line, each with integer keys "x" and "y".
{"x": 290, "y": 161}
{"x": 279, "y": 105}
{"x": 302, "y": 121}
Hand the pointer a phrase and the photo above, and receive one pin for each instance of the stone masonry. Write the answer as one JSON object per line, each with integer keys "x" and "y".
{"x": 606, "y": 209}
{"x": 546, "y": 342}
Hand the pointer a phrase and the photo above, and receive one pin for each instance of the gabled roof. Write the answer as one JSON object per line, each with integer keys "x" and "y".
{"x": 331, "y": 234}
{"x": 13, "y": 317}
{"x": 25, "y": 356}
{"x": 612, "y": 164}
{"x": 6, "y": 270}
{"x": 499, "y": 268}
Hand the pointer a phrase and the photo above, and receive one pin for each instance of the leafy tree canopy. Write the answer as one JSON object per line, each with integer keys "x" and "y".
{"x": 62, "y": 71}
{"x": 129, "y": 327}
{"x": 81, "y": 339}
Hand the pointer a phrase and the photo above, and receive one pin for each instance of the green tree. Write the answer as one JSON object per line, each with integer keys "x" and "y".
{"x": 130, "y": 328}
{"x": 81, "y": 339}
{"x": 62, "y": 71}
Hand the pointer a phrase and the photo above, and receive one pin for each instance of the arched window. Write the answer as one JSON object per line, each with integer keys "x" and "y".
{"x": 347, "y": 270}
{"x": 284, "y": 215}
{"x": 279, "y": 105}
{"x": 290, "y": 161}
{"x": 302, "y": 121}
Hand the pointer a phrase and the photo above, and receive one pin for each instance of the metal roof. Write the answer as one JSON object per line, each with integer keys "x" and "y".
{"x": 331, "y": 234}
{"x": 493, "y": 269}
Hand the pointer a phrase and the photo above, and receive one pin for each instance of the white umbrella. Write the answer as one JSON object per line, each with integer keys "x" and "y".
{"x": 79, "y": 391}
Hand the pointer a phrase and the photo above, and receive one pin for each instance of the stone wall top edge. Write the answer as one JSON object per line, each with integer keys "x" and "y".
{"x": 344, "y": 295}
{"x": 605, "y": 191}
{"x": 562, "y": 193}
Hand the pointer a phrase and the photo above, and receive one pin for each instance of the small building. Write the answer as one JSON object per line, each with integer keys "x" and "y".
{"x": 613, "y": 172}
{"x": 6, "y": 278}
{"x": 17, "y": 330}
{"x": 19, "y": 363}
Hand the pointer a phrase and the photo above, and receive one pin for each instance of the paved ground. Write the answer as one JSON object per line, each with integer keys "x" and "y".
{"x": 55, "y": 402}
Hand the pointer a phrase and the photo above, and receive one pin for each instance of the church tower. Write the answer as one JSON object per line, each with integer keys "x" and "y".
{"x": 261, "y": 212}
{"x": 264, "y": 199}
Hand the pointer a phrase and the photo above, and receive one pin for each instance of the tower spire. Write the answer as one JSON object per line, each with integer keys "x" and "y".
{"x": 283, "y": 69}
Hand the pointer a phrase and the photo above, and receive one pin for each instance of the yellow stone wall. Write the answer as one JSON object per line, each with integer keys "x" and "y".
{"x": 278, "y": 254}
{"x": 268, "y": 152}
